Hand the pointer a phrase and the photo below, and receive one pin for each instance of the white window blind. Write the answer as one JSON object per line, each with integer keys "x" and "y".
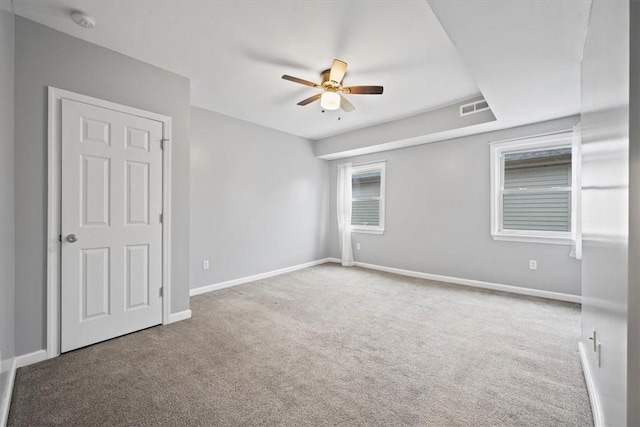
{"x": 365, "y": 209}
{"x": 537, "y": 190}
{"x": 367, "y": 197}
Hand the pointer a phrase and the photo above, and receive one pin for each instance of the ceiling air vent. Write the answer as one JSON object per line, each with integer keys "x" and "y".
{"x": 474, "y": 107}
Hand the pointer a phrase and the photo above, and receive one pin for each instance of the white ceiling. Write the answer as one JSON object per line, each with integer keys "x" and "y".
{"x": 523, "y": 55}
{"x": 235, "y": 53}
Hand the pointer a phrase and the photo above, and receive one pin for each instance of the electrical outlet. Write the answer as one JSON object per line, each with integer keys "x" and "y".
{"x": 205, "y": 264}
{"x": 533, "y": 264}
{"x": 357, "y": 246}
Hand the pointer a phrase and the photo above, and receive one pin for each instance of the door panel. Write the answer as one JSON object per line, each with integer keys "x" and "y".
{"x": 111, "y": 200}
{"x": 137, "y": 197}
{"x": 95, "y": 283}
{"x": 94, "y": 182}
{"x": 137, "y": 276}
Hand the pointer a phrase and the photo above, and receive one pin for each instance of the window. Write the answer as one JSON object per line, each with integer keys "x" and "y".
{"x": 367, "y": 198}
{"x": 532, "y": 189}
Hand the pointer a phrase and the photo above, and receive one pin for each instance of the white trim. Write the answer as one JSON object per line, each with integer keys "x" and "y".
{"x": 247, "y": 279}
{"x": 181, "y": 315}
{"x": 54, "y": 137}
{"x": 30, "y": 358}
{"x": 496, "y": 161}
{"x": 356, "y": 165}
{"x": 367, "y": 231}
{"x": 473, "y": 283}
{"x": 576, "y": 200}
{"x": 523, "y": 238}
{"x": 10, "y": 366}
{"x": 166, "y": 221}
{"x": 53, "y": 223}
{"x": 7, "y": 392}
{"x": 380, "y": 165}
{"x": 521, "y": 141}
{"x": 591, "y": 387}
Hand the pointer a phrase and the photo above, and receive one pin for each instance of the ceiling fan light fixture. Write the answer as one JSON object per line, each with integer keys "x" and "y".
{"x": 330, "y": 101}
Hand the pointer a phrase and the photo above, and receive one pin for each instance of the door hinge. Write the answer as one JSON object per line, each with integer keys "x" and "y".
{"x": 163, "y": 142}
{"x": 161, "y": 218}
{"x": 59, "y": 237}
{"x": 161, "y": 292}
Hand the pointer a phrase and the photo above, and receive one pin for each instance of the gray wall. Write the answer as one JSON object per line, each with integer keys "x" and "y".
{"x": 411, "y": 130}
{"x": 46, "y": 57}
{"x": 607, "y": 260}
{"x": 438, "y": 217}
{"x": 7, "y": 248}
{"x": 633, "y": 331}
{"x": 605, "y": 201}
{"x": 259, "y": 199}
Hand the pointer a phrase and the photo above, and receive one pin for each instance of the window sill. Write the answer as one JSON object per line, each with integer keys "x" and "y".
{"x": 365, "y": 231}
{"x": 525, "y": 238}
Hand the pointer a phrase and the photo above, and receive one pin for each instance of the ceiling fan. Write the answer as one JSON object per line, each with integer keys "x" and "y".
{"x": 331, "y": 84}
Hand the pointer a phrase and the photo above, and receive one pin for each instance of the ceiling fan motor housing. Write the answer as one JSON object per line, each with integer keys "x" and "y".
{"x": 325, "y": 82}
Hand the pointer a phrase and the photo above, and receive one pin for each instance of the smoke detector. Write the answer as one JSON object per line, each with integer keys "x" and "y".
{"x": 83, "y": 19}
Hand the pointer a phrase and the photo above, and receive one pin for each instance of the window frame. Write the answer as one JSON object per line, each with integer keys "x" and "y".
{"x": 378, "y": 166}
{"x": 498, "y": 150}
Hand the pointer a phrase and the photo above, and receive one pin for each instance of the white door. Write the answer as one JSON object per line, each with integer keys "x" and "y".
{"x": 111, "y": 272}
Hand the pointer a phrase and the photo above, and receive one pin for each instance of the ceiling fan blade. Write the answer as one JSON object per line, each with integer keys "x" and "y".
{"x": 310, "y": 99}
{"x": 301, "y": 81}
{"x": 338, "y": 69}
{"x": 363, "y": 90}
{"x": 346, "y": 105}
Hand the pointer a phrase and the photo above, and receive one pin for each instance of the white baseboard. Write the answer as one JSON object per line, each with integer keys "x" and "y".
{"x": 31, "y": 358}
{"x": 8, "y": 366}
{"x": 474, "y": 283}
{"x": 591, "y": 388}
{"x": 242, "y": 280}
{"x": 181, "y": 315}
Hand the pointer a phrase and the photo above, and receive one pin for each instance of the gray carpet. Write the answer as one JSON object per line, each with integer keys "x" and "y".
{"x": 326, "y": 346}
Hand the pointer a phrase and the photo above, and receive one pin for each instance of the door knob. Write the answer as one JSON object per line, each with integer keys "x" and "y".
{"x": 72, "y": 238}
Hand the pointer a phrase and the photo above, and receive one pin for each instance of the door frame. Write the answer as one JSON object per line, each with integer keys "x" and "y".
{"x": 54, "y": 206}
